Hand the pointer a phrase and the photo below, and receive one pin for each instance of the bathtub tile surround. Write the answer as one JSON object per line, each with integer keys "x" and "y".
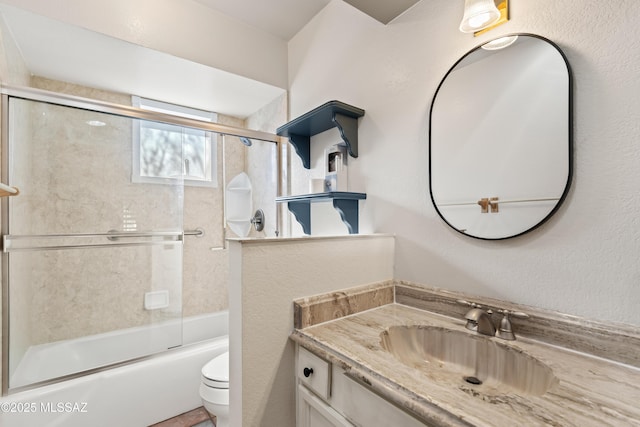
{"x": 54, "y": 321}
{"x": 54, "y": 278}
{"x": 591, "y": 391}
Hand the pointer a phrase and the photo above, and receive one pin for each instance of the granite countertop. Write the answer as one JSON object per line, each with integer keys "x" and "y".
{"x": 590, "y": 391}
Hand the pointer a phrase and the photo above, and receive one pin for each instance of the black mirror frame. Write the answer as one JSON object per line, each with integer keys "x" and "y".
{"x": 569, "y": 136}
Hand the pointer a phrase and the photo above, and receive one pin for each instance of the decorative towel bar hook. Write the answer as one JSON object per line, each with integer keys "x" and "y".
{"x": 489, "y": 203}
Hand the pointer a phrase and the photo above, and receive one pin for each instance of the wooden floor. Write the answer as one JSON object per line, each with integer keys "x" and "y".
{"x": 199, "y": 417}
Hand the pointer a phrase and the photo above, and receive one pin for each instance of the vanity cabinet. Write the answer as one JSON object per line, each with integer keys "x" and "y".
{"x": 327, "y": 397}
{"x": 314, "y": 412}
{"x": 314, "y": 391}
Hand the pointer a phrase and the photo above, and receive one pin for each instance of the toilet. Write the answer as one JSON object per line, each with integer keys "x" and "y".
{"x": 214, "y": 388}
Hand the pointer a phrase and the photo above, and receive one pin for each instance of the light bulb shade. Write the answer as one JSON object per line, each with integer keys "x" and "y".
{"x": 478, "y": 14}
{"x": 500, "y": 43}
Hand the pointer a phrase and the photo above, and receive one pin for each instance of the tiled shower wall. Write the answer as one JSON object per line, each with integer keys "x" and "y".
{"x": 118, "y": 301}
{"x": 75, "y": 178}
{"x": 205, "y": 273}
{"x": 13, "y": 70}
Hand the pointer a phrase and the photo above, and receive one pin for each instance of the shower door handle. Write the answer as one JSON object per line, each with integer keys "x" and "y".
{"x": 21, "y": 243}
{"x": 115, "y": 235}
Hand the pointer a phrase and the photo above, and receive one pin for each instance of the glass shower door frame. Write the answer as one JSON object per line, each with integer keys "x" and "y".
{"x": 31, "y": 94}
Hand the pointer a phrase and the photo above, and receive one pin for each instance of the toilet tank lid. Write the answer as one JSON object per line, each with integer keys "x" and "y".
{"x": 217, "y": 368}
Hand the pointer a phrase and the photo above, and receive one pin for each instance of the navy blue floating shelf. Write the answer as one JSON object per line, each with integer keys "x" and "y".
{"x": 346, "y": 203}
{"x": 332, "y": 114}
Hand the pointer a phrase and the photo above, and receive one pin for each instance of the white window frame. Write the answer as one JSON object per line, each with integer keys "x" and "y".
{"x": 177, "y": 110}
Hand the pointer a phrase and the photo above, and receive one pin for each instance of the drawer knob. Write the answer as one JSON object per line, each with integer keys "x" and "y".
{"x": 307, "y": 372}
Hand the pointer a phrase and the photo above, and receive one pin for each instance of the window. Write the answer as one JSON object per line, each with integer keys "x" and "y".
{"x": 163, "y": 153}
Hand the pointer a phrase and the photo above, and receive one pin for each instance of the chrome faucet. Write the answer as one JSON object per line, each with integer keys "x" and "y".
{"x": 480, "y": 321}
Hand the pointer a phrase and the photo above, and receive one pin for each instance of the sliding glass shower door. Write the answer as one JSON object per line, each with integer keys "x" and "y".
{"x": 94, "y": 254}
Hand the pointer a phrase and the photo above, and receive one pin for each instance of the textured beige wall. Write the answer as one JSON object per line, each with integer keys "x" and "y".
{"x": 266, "y": 276}
{"x": 584, "y": 260}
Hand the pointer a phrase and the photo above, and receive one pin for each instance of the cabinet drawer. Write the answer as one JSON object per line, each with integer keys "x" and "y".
{"x": 313, "y": 412}
{"x": 314, "y": 372}
{"x": 363, "y": 407}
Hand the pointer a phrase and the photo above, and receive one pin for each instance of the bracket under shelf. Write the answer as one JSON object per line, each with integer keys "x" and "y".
{"x": 336, "y": 114}
{"x": 346, "y": 203}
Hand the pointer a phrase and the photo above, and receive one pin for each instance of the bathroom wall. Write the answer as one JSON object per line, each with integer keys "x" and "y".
{"x": 584, "y": 260}
{"x": 12, "y": 67}
{"x": 266, "y": 276}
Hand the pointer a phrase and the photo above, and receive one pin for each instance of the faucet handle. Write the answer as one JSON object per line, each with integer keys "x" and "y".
{"x": 468, "y": 303}
{"x": 518, "y": 314}
{"x": 505, "y": 331}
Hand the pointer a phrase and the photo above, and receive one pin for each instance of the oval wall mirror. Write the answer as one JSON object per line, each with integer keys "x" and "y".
{"x": 500, "y": 138}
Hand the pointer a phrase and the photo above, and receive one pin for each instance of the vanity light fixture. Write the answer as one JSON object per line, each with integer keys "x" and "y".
{"x": 481, "y": 15}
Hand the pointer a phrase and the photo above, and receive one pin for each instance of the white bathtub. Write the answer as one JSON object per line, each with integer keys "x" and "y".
{"x": 135, "y": 395}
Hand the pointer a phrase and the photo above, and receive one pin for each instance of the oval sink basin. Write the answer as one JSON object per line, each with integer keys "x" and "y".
{"x": 473, "y": 360}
